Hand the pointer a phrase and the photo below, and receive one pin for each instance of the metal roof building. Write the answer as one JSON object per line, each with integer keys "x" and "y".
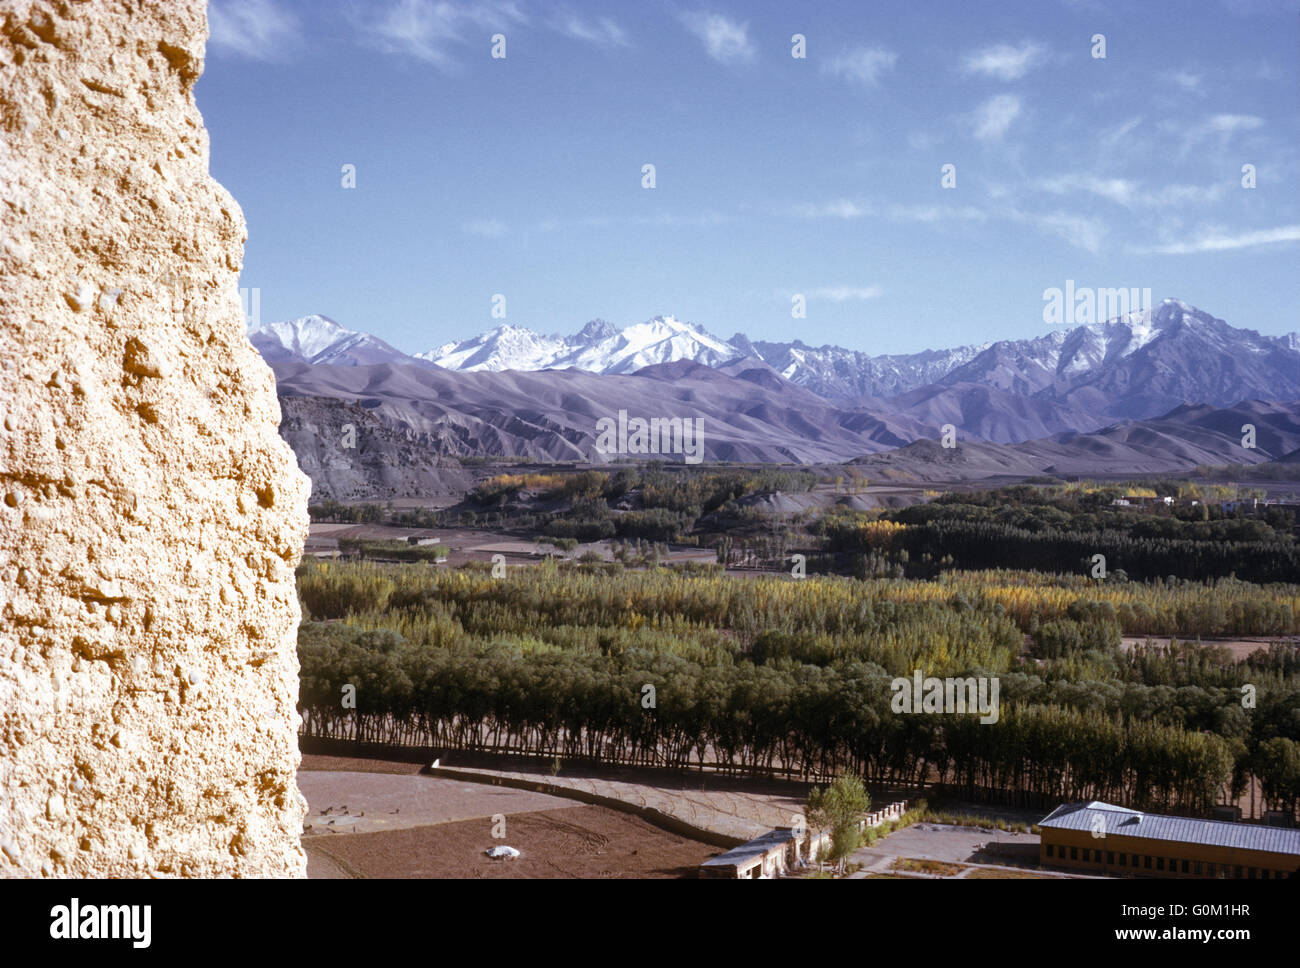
{"x": 1100, "y": 836}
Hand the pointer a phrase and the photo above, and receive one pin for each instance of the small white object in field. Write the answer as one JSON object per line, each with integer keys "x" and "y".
{"x": 433, "y": 765}
{"x": 501, "y": 850}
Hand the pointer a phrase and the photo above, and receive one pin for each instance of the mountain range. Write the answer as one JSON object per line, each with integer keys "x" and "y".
{"x": 1180, "y": 440}
{"x": 1132, "y": 367}
{"x": 1093, "y": 393}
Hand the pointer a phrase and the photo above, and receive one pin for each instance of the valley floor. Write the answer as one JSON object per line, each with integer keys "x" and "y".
{"x": 374, "y": 818}
{"x": 391, "y": 818}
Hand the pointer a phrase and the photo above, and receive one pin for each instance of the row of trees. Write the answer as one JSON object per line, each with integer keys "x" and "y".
{"x": 677, "y": 489}
{"x": 1182, "y": 607}
{"x": 655, "y": 503}
{"x": 981, "y": 544}
{"x": 781, "y": 674}
{"x": 590, "y": 596}
{"x": 1060, "y": 529}
{"x": 331, "y": 510}
{"x": 391, "y": 550}
{"x": 809, "y": 721}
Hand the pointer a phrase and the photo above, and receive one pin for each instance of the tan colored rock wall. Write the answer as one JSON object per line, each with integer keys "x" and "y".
{"x": 151, "y": 515}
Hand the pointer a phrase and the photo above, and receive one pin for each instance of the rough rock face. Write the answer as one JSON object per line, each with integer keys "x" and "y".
{"x": 350, "y": 455}
{"x": 151, "y": 516}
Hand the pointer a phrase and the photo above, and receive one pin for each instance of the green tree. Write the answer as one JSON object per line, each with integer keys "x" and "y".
{"x": 839, "y": 808}
{"x": 1278, "y": 768}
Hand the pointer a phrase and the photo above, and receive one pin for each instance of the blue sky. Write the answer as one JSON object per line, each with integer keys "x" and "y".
{"x": 774, "y": 175}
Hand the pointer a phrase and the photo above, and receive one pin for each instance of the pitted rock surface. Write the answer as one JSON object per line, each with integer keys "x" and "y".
{"x": 150, "y": 516}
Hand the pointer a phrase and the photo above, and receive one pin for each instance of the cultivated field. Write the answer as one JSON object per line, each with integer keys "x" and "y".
{"x": 374, "y": 818}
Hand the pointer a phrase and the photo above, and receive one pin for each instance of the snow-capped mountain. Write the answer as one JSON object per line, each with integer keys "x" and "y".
{"x": 837, "y": 373}
{"x": 1132, "y": 367}
{"x": 1099, "y": 396}
{"x": 319, "y": 339}
{"x": 830, "y": 371}
{"x": 503, "y": 348}
{"x": 1166, "y": 354}
{"x": 597, "y": 348}
{"x": 1171, "y": 350}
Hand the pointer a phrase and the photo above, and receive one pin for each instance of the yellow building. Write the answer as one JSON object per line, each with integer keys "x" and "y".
{"x": 1101, "y": 838}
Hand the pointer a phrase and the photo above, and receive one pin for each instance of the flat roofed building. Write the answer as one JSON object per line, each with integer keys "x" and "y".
{"x": 1102, "y": 838}
{"x": 769, "y": 855}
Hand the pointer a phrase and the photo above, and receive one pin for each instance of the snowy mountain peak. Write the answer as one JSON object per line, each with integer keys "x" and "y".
{"x": 598, "y": 347}
{"x": 306, "y": 336}
{"x": 319, "y": 339}
{"x": 506, "y": 347}
{"x": 594, "y": 331}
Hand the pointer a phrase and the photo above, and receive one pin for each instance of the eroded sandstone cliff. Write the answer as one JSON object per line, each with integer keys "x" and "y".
{"x": 151, "y": 516}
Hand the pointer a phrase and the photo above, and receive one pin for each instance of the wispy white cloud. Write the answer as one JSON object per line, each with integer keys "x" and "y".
{"x": 1219, "y": 242}
{"x": 726, "y": 40}
{"x": 1218, "y": 129}
{"x": 937, "y": 213}
{"x": 1121, "y": 191}
{"x": 669, "y": 220}
{"x": 1113, "y": 137}
{"x": 602, "y": 32}
{"x": 847, "y": 293}
{"x": 1004, "y": 61}
{"x": 861, "y": 65}
{"x": 256, "y": 29}
{"x": 494, "y": 228}
{"x": 1232, "y": 123}
{"x": 922, "y": 141}
{"x": 697, "y": 220}
{"x": 1168, "y": 195}
{"x": 1129, "y": 193}
{"x": 837, "y": 208}
{"x": 431, "y": 30}
{"x": 418, "y": 29}
{"x": 488, "y": 228}
{"x": 1083, "y": 231}
{"x": 1186, "y": 81}
{"x": 1086, "y": 232}
{"x": 994, "y": 116}
{"x": 1252, "y": 8}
